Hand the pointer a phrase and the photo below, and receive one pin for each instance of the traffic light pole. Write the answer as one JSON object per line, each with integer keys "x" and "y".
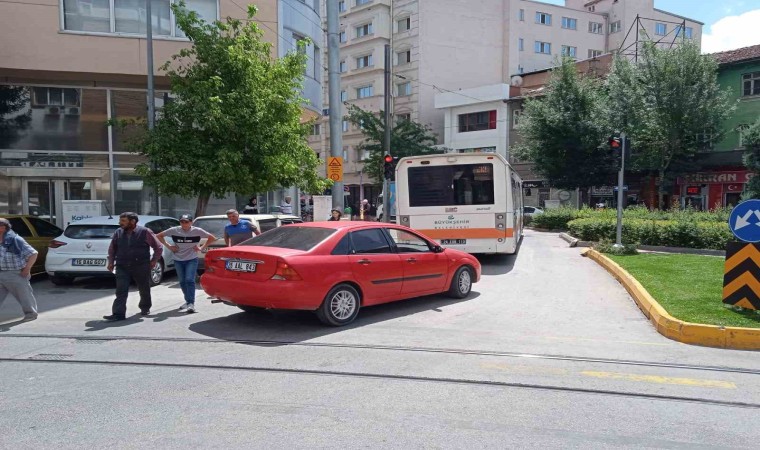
{"x": 336, "y": 106}
{"x": 387, "y": 140}
{"x": 620, "y": 196}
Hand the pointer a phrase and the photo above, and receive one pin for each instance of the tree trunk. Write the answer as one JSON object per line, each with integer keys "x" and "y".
{"x": 201, "y": 204}
{"x": 661, "y": 192}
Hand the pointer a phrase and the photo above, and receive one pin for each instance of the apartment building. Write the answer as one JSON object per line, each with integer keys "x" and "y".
{"x": 67, "y": 66}
{"x": 445, "y": 46}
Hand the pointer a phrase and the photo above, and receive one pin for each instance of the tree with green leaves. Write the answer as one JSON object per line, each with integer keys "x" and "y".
{"x": 408, "y": 138}
{"x": 15, "y": 113}
{"x": 669, "y": 103}
{"x": 234, "y": 124}
{"x": 564, "y": 132}
{"x": 752, "y": 160}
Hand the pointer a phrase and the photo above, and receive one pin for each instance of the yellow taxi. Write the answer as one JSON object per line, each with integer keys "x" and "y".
{"x": 37, "y": 232}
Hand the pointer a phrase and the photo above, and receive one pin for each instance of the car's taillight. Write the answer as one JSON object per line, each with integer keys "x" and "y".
{"x": 55, "y": 244}
{"x": 285, "y": 272}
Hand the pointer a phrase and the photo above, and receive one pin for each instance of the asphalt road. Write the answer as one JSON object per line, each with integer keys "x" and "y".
{"x": 549, "y": 351}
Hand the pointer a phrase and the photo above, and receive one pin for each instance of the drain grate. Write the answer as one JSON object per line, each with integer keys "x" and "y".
{"x": 51, "y": 356}
{"x": 90, "y": 341}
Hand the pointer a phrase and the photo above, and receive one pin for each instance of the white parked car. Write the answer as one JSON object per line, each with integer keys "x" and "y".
{"x": 82, "y": 249}
{"x": 531, "y": 211}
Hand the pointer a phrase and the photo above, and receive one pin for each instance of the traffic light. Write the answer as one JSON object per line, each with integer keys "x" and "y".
{"x": 389, "y": 166}
{"x": 615, "y": 142}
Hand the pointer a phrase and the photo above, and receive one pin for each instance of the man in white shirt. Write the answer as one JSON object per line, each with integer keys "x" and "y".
{"x": 286, "y": 207}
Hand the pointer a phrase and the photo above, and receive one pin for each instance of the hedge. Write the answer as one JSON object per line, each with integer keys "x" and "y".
{"x": 558, "y": 219}
{"x": 669, "y": 233}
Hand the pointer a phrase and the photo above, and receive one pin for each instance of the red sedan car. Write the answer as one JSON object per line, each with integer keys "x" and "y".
{"x": 334, "y": 268}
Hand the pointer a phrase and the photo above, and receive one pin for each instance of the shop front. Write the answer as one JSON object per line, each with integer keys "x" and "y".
{"x": 710, "y": 190}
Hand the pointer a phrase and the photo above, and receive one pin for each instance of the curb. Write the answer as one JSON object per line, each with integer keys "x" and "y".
{"x": 650, "y": 248}
{"x": 688, "y": 333}
{"x": 569, "y": 239}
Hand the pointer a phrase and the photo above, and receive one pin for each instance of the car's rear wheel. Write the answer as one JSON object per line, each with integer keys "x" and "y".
{"x": 340, "y": 307}
{"x": 61, "y": 281}
{"x": 157, "y": 273}
{"x": 461, "y": 284}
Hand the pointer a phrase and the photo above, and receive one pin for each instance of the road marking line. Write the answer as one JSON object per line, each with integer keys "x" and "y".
{"x": 661, "y": 380}
{"x": 570, "y": 338}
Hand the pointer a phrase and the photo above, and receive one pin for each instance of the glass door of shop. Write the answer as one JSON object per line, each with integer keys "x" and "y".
{"x": 44, "y": 198}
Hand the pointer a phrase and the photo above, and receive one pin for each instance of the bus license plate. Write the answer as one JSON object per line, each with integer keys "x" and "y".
{"x": 88, "y": 262}
{"x": 240, "y": 266}
{"x": 453, "y": 241}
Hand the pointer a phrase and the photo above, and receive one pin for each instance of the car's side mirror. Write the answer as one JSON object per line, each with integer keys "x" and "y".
{"x": 437, "y": 249}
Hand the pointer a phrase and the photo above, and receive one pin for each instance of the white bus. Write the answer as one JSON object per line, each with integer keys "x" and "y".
{"x": 467, "y": 201}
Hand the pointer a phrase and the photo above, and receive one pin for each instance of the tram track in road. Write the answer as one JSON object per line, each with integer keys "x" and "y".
{"x": 394, "y": 377}
{"x": 376, "y": 347}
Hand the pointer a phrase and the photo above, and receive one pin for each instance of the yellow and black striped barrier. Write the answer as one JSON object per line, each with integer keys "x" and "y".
{"x": 741, "y": 275}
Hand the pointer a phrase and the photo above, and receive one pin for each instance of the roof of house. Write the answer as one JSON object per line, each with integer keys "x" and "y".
{"x": 738, "y": 55}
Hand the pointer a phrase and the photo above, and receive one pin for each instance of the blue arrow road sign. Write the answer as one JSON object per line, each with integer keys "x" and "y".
{"x": 744, "y": 221}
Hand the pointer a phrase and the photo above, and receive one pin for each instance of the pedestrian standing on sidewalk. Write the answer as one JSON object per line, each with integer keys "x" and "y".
{"x": 286, "y": 207}
{"x": 129, "y": 252}
{"x": 186, "y": 239}
{"x": 238, "y": 230}
{"x": 16, "y": 260}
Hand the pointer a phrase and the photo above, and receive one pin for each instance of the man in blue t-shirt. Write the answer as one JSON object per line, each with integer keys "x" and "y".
{"x": 238, "y": 230}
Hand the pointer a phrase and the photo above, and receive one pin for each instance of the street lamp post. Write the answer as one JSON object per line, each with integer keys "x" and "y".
{"x": 620, "y": 196}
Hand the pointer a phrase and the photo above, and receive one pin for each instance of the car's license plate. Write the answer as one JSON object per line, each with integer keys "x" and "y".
{"x": 241, "y": 266}
{"x": 453, "y": 241}
{"x": 88, "y": 262}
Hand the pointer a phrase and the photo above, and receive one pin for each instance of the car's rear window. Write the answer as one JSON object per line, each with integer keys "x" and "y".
{"x": 213, "y": 226}
{"x": 267, "y": 224}
{"x": 294, "y": 237}
{"x": 90, "y": 231}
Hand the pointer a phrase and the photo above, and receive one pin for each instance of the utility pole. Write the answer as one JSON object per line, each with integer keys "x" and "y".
{"x": 151, "y": 89}
{"x": 620, "y": 196}
{"x": 387, "y": 140}
{"x": 336, "y": 107}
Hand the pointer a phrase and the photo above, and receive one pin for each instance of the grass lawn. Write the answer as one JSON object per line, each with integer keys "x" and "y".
{"x": 689, "y": 287}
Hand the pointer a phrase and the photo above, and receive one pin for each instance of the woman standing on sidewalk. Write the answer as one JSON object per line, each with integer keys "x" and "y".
{"x": 16, "y": 260}
{"x": 186, "y": 240}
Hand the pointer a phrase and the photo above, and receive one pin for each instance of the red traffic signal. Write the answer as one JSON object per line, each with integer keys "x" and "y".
{"x": 614, "y": 143}
{"x": 388, "y": 159}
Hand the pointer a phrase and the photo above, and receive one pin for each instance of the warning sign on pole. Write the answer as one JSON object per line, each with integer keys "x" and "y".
{"x": 741, "y": 275}
{"x": 335, "y": 168}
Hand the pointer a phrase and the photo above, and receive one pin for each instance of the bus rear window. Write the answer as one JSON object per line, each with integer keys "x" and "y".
{"x": 462, "y": 184}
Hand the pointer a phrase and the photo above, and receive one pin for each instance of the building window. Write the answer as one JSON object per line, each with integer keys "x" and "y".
{"x": 364, "y": 92}
{"x": 404, "y": 89}
{"x": 543, "y": 18}
{"x": 404, "y": 24}
{"x": 364, "y": 61}
{"x": 569, "y": 24}
{"x": 344, "y": 125}
{"x": 345, "y": 154}
{"x": 522, "y": 15}
{"x": 520, "y": 44}
{"x": 343, "y": 96}
{"x": 316, "y": 129}
{"x": 543, "y": 47}
{"x": 751, "y": 84}
{"x": 364, "y": 30}
{"x": 660, "y": 29}
{"x": 342, "y": 67}
{"x": 317, "y": 67}
{"x": 364, "y": 155}
{"x": 596, "y": 28}
{"x": 403, "y": 118}
{"x": 479, "y": 121}
{"x": 516, "y": 118}
{"x": 569, "y": 51}
{"x": 343, "y": 38}
{"x": 594, "y": 53}
{"x": 404, "y": 57}
{"x": 615, "y": 27}
{"x": 341, "y": 6}
{"x": 129, "y": 16}
{"x": 362, "y": 2}
{"x": 680, "y": 31}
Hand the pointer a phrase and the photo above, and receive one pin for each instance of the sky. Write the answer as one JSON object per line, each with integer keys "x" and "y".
{"x": 729, "y": 24}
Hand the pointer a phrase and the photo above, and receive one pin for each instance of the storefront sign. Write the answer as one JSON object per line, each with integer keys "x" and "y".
{"x": 693, "y": 190}
{"x": 734, "y": 188}
{"x": 602, "y": 191}
{"x": 738, "y": 176}
{"x": 46, "y": 161}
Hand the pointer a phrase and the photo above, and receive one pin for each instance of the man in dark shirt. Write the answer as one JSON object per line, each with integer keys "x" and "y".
{"x": 129, "y": 252}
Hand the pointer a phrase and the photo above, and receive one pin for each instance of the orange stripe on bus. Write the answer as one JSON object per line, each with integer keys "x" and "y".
{"x": 468, "y": 233}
